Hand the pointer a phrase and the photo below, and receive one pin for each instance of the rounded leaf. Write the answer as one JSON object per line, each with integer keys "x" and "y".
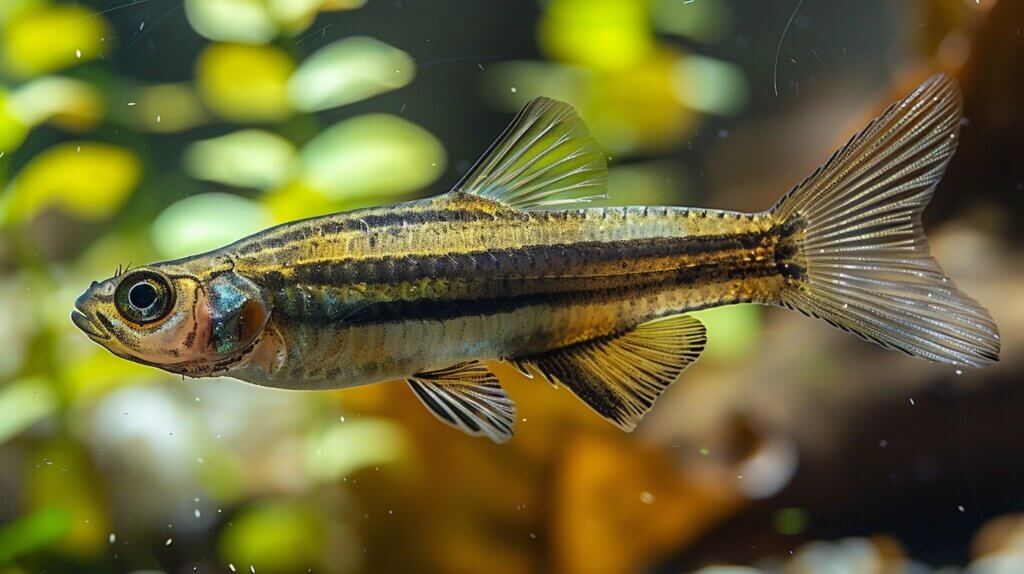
{"x": 70, "y": 103}
{"x": 247, "y": 158}
{"x": 246, "y": 21}
{"x": 347, "y": 71}
{"x": 46, "y": 38}
{"x": 245, "y": 83}
{"x": 88, "y": 180}
{"x": 198, "y": 223}
{"x": 374, "y": 155}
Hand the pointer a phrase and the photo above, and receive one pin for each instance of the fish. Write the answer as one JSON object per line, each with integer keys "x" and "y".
{"x": 513, "y": 265}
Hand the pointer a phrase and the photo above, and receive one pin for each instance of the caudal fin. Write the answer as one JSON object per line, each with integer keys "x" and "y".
{"x": 858, "y": 256}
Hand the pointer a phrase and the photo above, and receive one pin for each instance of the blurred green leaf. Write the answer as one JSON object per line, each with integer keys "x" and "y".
{"x": 63, "y": 477}
{"x": 245, "y": 21}
{"x": 709, "y": 85}
{"x": 705, "y": 21}
{"x": 88, "y": 180}
{"x": 245, "y": 83}
{"x": 274, "y": 537}
{"x": 343, "y": 448}
{"x": 199, "y": 223}
{"x": 347, "y": 71}
{"x": 247, "y": 158}
{"x": 49, "y": 37}
{"x": 22, "y": 404}
{"x": 12, "y": 128}
{"x": 32, "y": 532}
{"x": 165, "y": 108}
{"x": 70, "y": 103}
{"x": 375, "y": 155}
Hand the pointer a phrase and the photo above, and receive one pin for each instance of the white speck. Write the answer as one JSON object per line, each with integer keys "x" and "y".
{"x": 142, "y": 25}
{"x": 961, "y": 508}
{"x": 911, "y": 401}
{"x": 232, "y": 567}
{"x": 513, "y": 89}
{"x": 883, "y": 443}
{"x": 158, "y": 119}
{"x": 197, "y": 513}
{"x": 78, "y": 54}
{"x": 252, "y": 569}
{"x": 112, "y": 538}
{"x": 646, "y": 497}
{"x": 168, "y": 543}
{"x": 341, "y": 419}
{"x": 200, "y": 460}
{"x": 130, "y": 104}
{"x": 959, "y": 372}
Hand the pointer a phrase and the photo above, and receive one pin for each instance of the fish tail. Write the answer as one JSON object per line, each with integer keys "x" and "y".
{"x": 852, "y": 249}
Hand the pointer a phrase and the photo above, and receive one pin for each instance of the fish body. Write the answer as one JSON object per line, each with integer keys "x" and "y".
{"x": 378, "y": 294}
{"x": 512, "y": 265}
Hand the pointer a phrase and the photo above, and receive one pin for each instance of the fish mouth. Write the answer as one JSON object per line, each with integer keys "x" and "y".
{"x": 82, "y": 321}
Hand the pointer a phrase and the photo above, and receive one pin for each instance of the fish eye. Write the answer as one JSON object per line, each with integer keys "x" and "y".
{"x": 144, "y": 297}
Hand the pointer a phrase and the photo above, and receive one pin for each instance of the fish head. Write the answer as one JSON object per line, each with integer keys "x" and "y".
{"x": 169, "y": 317}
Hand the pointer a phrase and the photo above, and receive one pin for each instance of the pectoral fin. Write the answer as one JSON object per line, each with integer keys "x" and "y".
{"x": 468, "y": 397}
{"x": 621, "y": 376}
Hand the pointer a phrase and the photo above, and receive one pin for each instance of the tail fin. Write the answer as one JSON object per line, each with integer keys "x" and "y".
{"x": 858, "y": 256}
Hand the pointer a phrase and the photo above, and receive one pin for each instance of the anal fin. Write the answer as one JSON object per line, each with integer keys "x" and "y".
{"x": 620, "y": 376}
{"x": 468, "y": 397}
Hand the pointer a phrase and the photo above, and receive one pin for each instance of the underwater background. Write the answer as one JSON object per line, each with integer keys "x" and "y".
{"x": 139, "y": 130}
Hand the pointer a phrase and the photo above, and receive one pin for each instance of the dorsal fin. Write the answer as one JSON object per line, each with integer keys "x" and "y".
{"x": 621, "y": 376}
{"x": 544, "y": 158}
{"x": 468, "y": 397}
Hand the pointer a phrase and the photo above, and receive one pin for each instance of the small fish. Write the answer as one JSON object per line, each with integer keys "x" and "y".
{"x": 511, "y": 265}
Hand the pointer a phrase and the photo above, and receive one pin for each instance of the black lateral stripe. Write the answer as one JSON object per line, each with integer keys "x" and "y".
{"x": 446, "y": 309}
{"x": 528, "y": 260}
{"x": 330, "y": 225}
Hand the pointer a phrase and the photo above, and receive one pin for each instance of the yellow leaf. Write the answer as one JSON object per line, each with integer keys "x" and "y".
{"x": 12, "y": 128}
{"x": 46, "y": 38}
{"x": 610, "y": 35}
{"x": 85, "y": 179}
{"x": 245, "y": 83}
